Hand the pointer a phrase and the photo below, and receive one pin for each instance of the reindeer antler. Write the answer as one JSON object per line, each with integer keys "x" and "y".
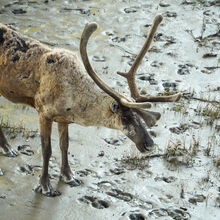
{"x": 130, "y": 75}
{"x": 87, "y": 32}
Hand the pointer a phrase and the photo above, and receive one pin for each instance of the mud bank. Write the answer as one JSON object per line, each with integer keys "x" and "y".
{"x": 181, "y": 179}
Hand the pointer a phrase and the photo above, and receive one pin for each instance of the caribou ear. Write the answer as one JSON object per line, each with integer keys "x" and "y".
{"x": 114, "y": 107}
{"x": 149, "y": 117}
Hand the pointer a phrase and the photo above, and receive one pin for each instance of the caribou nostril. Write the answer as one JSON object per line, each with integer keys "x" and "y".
{"x": 158, "y": 116}
{"x": 149, "y": 145}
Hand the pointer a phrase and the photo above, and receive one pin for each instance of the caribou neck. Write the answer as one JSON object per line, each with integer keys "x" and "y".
{"x": 103, "y": 113}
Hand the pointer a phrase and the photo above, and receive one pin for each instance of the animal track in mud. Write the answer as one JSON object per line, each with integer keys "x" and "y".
{"x": 101, "y": 153}
{"x": 112, "y": 141}
{"x": 94, "y": 201}
{"x": 197, "y": 198}
{"x": 170, "y": 14}
{"x": 178, "y": 214}
{"x": 217, "y": 201}
{"x": 100, "y": 204}
{"x": 154, "y": 49}
{"x": 168, "y": 39}
{"x": 136, "y": 216}
{"x": 79, "y": 10}
{"x": 105, "y": 184}
{"x": 184, "y": 69}
{"x": 164, "y": 5}
{"x": 129, "y": 163}
{"x": 27, "y": 169}
{"x": 167, "y": 85}
{"x": 25, "y": 149}
{"x": 120, "y": 39}
{"x": 19, "y": 11}
{"x": 116, "y": 39}
{"x": 117, "y": 171}
{"x": 99, "y": 59}
{"x": 156, "y": 64}
{"x": 127, "y": 197}
{"x": 180, "y": 129}
{"x": 131, "y": 9}
{"x": 169, "y": 179}
{"x": 83, "y": 173}
{"x": 150, "y": 79}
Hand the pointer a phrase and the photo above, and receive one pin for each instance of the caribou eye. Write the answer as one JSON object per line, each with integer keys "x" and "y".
{"x": 114, "y": 107}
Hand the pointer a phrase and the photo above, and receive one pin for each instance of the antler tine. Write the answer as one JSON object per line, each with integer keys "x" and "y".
{"x": 135, "y": 104}
{"x": 130, "y": 76}
{"x": 87, "y": 32}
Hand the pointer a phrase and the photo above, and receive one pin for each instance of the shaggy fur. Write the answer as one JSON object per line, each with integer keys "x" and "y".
{"x": 51, "y": 80}
{"x": 56, "y": 84}
{"x": 59, "y": 87}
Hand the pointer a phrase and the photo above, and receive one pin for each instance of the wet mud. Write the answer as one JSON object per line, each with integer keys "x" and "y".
{"x": 181, "y": 178}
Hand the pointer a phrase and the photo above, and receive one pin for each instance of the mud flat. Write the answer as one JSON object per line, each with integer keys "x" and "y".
{"x": 181, "y": 179}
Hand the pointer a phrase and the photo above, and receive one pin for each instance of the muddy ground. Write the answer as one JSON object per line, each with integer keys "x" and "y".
{"x": 181, "y": 178}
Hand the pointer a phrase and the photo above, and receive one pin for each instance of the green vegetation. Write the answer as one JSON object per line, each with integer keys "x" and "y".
{"x": 181, "y": 108}
{"x": 211, "y": 112}
{"x": 12, "y": 130}
{"x": 178, "y": 154}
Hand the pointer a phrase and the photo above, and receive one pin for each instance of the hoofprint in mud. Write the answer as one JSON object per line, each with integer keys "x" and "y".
{"x": 117, "y": 181}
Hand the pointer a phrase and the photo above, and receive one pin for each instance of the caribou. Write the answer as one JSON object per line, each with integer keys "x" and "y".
{"x": 64, "y": 89}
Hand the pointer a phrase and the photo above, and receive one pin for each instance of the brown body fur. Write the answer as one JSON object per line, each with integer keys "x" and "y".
{"x": 46, "y": 79}
{"x": 56, "y": 84}
{"x": 62, "y": 89}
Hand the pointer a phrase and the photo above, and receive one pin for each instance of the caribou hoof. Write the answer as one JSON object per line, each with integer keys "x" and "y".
{"x": 72, "y": 182}
{"x": 11, "y": 153}
{"x": 48, "y": 193}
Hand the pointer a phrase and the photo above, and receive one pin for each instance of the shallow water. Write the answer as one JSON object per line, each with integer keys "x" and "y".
{"x": 182, "y": 187}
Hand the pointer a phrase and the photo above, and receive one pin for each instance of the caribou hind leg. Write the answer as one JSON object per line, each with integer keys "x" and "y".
{"x": 7, "y": 150}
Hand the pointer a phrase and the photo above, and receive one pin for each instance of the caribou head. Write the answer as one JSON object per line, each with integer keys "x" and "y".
{"x": 130, "y": 112}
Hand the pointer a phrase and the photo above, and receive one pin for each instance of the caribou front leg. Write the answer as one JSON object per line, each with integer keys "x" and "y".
{"x": 7, "y": 150}
{"x": 45, "y": 131}
{"x": 66, "y": 173}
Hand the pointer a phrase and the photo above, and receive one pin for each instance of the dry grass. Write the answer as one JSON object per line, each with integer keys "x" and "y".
{"x": 178, "y": 154}
{"x": 12, "y": 130}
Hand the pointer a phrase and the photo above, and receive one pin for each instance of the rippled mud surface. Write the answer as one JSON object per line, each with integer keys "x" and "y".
{"x": 181, "y": 179}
